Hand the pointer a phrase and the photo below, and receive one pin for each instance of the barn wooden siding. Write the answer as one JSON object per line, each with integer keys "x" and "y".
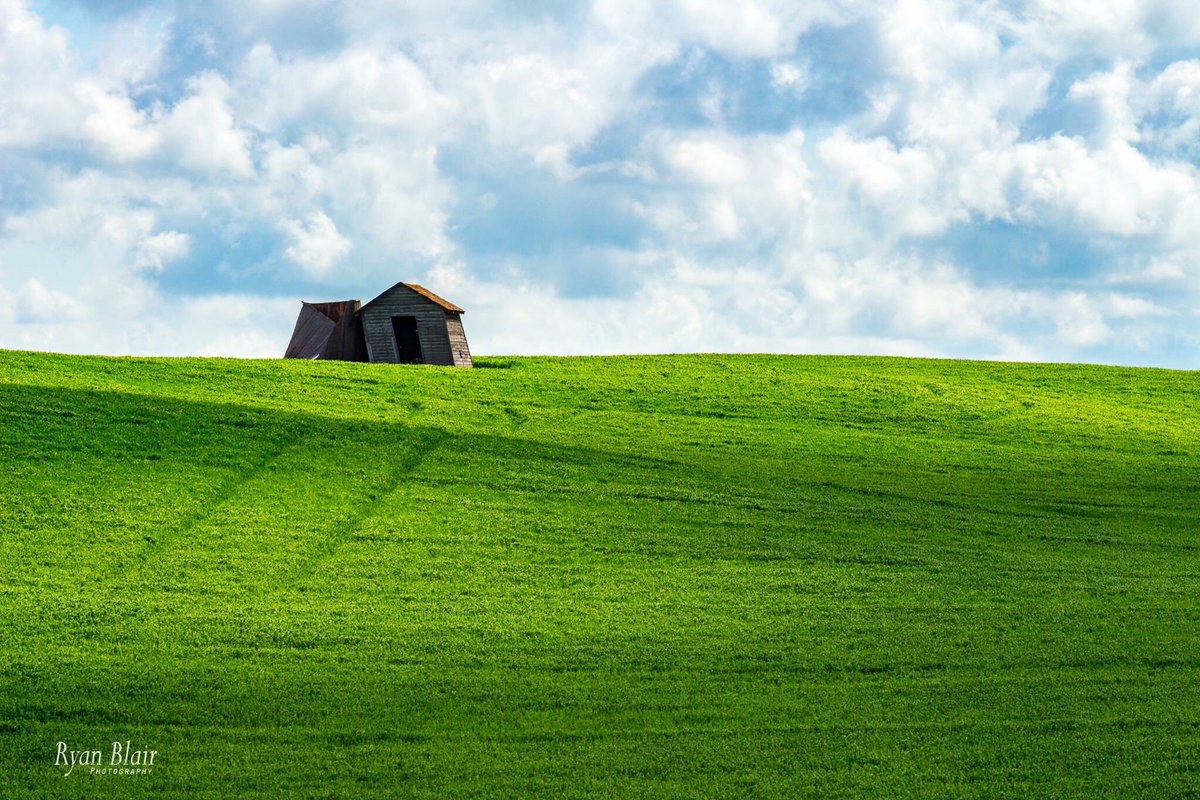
{"x": 431, "y": 317}
{"x": 458, "y": 340}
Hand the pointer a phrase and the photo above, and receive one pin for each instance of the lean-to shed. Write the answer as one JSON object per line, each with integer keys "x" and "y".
{"x": 407, "y": 324}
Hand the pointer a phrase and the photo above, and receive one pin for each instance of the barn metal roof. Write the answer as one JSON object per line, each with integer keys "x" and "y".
{"x": 428, "y": 295}
{"x": 312, "y": 333}
{"x": 319, "y": 331}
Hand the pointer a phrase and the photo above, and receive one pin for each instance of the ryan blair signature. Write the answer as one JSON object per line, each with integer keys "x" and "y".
{"x": 124, "y": 760}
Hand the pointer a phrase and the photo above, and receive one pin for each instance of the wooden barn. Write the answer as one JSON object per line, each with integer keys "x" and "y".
{"x": 407, "y": 324}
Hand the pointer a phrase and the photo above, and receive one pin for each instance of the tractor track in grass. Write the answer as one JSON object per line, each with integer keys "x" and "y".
{"x": 237, "y": 489}
{"x": 225, "y": 491}
{"x": 328, "y": 546}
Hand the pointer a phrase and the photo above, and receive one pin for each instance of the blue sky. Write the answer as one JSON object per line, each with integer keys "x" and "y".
{"x": 1013, "y": 180}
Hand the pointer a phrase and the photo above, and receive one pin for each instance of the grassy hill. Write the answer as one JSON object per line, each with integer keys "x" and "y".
{"x": 644, "y": 576}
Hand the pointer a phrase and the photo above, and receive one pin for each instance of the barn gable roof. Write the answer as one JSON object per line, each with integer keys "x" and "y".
{"x": 428, "y": 295}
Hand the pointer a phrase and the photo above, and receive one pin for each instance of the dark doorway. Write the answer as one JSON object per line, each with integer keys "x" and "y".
{"x": 408, "y": 341}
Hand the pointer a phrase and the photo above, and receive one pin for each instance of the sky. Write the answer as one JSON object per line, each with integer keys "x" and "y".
{"x": 1000, "y": 180}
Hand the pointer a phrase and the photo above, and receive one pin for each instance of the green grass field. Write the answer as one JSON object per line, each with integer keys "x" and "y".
{"x": 672, "y": 576}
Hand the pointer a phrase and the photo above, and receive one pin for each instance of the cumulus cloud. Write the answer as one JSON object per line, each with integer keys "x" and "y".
{"x": 199, "y": 132}
{"x": 1013, "y": 180}
{"x": 37, "y": 103}
{"x": 155, "y": 252}
{"x": 755, "y": 28}
{"x": 316, "y": 245}
{"x": 897, "y": 186}
{"x": 37, "y": 303}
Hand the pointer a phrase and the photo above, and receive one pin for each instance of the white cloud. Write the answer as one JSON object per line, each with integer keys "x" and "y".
{"x": 1115, "y": 190}
{"x": 36, "y": 71}
{"x": 1109, "y": 92}
{"x": 200, "y": 132}
{"x": 466, "y": 141}
{"x": 1129, "y": 307}
{"x": 790, "y": 75}
{"x": 753, "y": 28}
{"x": 232, "y": 325}
{"x": 115, "y": 126}
{"x": 707, "y": 161}
{"x": 316, "y": 246}
{"x": 219, "y": 325}
{"x": 719, "y": 187}
{"x": 1060, "y": 29}
{"x": 37, "y": 303}
{"x": 155, "y": 252}
{"x": 898, "y": 185}
{"x": 1175, "y": 92}
{"x": 349, "y": 91}
{"x": 50, "y": 99}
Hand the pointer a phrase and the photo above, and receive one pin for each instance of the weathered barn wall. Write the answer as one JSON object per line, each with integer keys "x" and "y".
{"x": 311, "y": 334}
{"x": 351, "y": 345}
{"x": 329, "y": 331}
{"x": 431, "y": 326}
{"x": 458, "y": 340}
